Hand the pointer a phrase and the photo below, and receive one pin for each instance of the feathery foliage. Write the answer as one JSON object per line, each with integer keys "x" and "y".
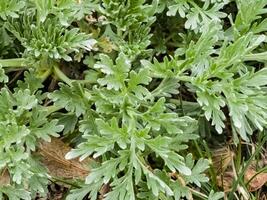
{"x": 139, "y": 82}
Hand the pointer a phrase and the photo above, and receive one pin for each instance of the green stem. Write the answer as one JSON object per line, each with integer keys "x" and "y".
{"x": 85, "y": 81}
{"x": 62, "y": 76}
{"x": 14, "y": 62}
{"x": 239, "y": 155}
{"x": 212, "y": 171}
{"x": 196, "y": 7}
{"x": 68, "y": 182}
{"x": 52, "y": 109}
{"x": 184, "y": 78}
{"x": 44, "y": 75}
{"x": 198, "y": 194}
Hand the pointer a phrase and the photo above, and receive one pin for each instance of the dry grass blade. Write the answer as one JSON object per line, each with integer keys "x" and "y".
{"x": 53, "y": 157}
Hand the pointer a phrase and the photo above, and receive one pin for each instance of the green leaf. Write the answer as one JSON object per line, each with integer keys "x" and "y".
{"x": 155, "y": 183}
{"x": 261, "y": 27}
{"x": 122, "y": 188}
{"x": 99, "y": 145}
{"x": 43, "y": 8}
{"x": 15, "y": 194}
{"x": 248, "y": 11}
{"x": 172, "y": 160}
{"x": 169, "y": 68}
{"x": 215, "y": 195}
{"x": 212, "y": 106}
{"x": 10, "y": 8}
{"x": 25, "y": 100}
{"x": 31, "y": 82}
{"x": 72, "y": 98}
{"x": 47, "y": 130}
{"x": 107, "y": 171}
{"x": 256, "y": 79}
{"x": 198, "y": 170}
{"x": 113, "y": 131}
{"x": 136, "y": 81}
{"x": 110, "y": 134}
{"x": 197, "y": 17}
{"x": 181, "y": 7}
{"x": 80, "y": 193}
{"x": 69, "y": 122}
{"x": 115, "y": 75}
{"x": 42, "y": 41}
{"x": 167, "y": 88}
{"x": 3, "y": 76}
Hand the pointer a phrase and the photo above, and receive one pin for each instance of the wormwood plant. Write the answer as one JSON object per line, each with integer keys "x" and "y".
{"x": 137, "y": 80}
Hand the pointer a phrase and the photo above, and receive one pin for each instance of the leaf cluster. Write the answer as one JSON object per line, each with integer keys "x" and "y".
{"x": 138, "y": 81}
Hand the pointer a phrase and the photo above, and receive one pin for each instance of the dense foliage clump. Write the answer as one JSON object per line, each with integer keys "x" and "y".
{"x": 139, "y": 91}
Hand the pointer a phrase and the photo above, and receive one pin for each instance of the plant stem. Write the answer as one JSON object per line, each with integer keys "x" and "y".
{"x": 66, "y": 79}
{"x": 13, "y": 62}
{"x": 62, "y": 76}
{"x": 52, "y": 109}
{"x": 84, "y": 81}
{"x": 198, "y": 194}
{"x": 57, "y": 179}
{"x": 239, "y": 156}
{"x": 44, "y": 75}
{"x": 212, "y": 170}
{"x": 184, "y": 78}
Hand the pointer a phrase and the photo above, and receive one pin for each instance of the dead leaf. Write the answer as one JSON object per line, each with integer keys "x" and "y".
{"x": 256, "y": 181}
{"x": 225, "y": 181}
{"x": 90, "y": 19}
{"x": 263, "y": 196}
{"x": 4, "y": 177}
{"x": 221, "y": 159}
{"x": 104, "y": 190}
{"x": 106, "y": 45}
{"x": 53, "y": 157}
